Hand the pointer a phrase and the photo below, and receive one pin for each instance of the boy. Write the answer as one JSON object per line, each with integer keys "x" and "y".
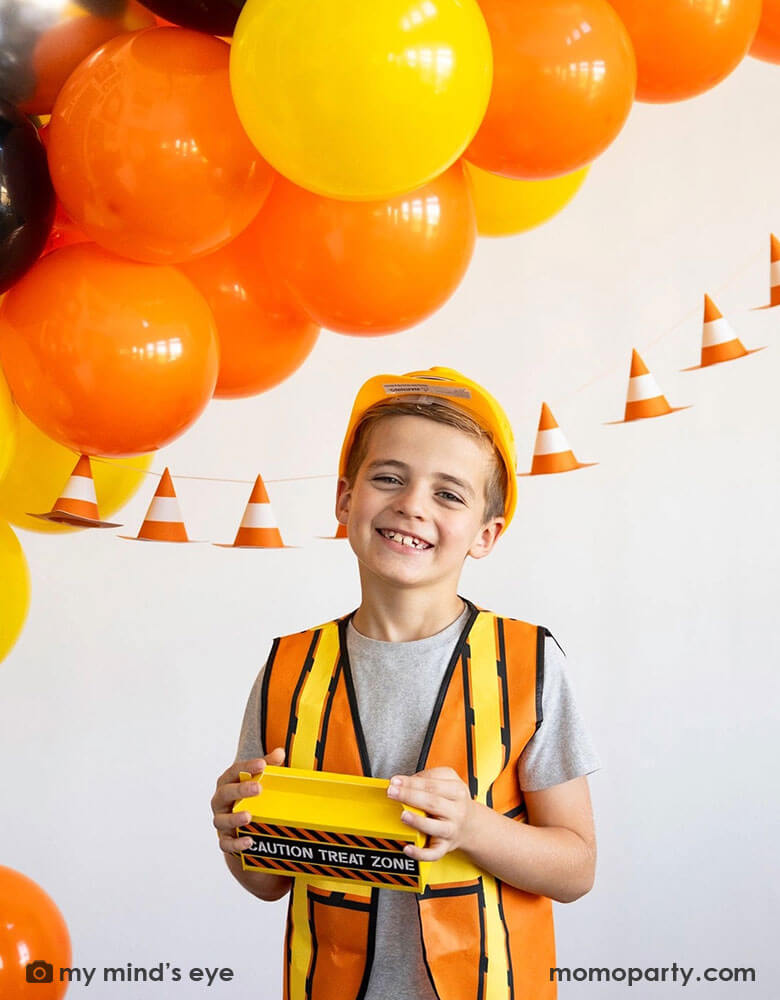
{"x": 469, "y": 713}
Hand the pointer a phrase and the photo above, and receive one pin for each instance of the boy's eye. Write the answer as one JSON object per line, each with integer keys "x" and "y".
{"x": 376, "y": 478}
{"x": 450, "y": 496}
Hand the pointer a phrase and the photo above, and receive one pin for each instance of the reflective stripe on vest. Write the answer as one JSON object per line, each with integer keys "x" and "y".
{"x": 482, "y": 939}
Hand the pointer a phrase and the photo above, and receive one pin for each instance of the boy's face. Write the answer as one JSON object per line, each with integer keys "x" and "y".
{"x": 405, "y": 484}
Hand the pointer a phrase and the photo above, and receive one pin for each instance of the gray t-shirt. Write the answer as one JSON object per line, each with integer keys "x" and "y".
{"x": 396, "y": 684}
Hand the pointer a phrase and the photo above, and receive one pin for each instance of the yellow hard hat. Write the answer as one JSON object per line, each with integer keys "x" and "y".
{"x": 457, "y": 390}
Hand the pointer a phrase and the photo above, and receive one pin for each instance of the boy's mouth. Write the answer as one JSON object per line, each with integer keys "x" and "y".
{"x": 400, "y": 538}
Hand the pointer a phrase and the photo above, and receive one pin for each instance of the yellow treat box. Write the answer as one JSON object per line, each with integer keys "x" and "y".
{"x": 337, "y": 827}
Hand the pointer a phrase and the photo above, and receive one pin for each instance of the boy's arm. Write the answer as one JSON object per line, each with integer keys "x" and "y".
{"x": 553, "y": 854}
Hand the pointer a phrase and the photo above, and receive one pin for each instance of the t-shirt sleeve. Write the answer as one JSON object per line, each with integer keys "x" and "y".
{"x": 249, "y": 742}
{"x": 561, "y": 748}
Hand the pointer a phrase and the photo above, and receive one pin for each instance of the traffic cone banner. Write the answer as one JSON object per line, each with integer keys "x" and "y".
{"x": 258, "y": 528}
{"x": 552, "y": 451}
{"x": 718, "y": 342}
{"x": 163, "y": 521}
{"x": 77, "y": 504}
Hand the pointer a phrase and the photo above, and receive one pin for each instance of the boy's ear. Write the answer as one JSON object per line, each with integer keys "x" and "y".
{"x": 343, "y": 496}
{"x": 487, "y": 538}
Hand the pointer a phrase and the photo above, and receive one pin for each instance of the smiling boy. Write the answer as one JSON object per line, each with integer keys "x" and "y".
{"x": 470, "y": 714}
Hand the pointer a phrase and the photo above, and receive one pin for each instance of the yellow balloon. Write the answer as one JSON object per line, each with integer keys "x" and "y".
{"x": 40, "y": 469}
{"x": 14, "y": 589}
{"x": 359, "y": 100}
{"x": 506, "y": 206}
{"x": 7, "y": 425}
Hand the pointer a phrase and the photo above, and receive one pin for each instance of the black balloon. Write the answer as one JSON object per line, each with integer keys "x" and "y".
{"x": 216, "y": 17}
{"x": 27, "y": 203}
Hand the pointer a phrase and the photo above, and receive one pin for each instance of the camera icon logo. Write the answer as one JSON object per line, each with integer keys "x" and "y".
{"x": 40, "y": 972}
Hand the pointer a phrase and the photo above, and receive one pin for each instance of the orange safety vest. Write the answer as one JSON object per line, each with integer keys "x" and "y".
{"x": 482, "y": 939}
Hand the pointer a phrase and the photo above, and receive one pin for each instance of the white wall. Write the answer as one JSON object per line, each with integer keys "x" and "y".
{"x": 122, "y": 701}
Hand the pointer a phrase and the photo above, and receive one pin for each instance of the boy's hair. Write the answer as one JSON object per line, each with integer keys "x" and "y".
{"x": 442, "y": 413}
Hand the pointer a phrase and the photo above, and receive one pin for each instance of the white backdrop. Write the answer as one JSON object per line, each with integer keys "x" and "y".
{"x": 655, "y": 569}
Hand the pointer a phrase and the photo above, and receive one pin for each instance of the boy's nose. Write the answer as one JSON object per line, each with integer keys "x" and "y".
{"x": 411, "y": 501}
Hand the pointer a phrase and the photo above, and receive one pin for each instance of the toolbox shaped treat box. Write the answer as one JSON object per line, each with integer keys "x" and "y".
{"x": 339, "y": 827}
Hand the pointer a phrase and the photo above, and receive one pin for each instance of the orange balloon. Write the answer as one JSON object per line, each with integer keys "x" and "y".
{"x": 563, "y": 85}
{"x": 264, "y": 336}
{"x": 371, "y": 267}
{"x": 35, "y": 942}
{"x": 78, "y": 31}
{"x": 684, "y": 47}
{"x": 147, "y": 153}
{"x": 107, "y": 356}
{"x": 766, "y": 44}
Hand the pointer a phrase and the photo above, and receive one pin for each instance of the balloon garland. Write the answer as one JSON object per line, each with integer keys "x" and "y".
{"x": 329, "y": 168}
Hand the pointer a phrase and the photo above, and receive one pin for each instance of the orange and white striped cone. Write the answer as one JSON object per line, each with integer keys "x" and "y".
{"x": 341, "y": 532}
{"x": 163, "y": 521}
{"x": 644, "y": 398}
{"x": 77, "y": 504}
{"x": 718, "y": 341}
{"x": 774, "y": 273}
{"x": 552, "y": 451}
{"x": 258, "y": 528}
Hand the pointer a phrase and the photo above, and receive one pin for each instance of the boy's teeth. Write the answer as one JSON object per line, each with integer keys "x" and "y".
{"x": 403, "y": 539}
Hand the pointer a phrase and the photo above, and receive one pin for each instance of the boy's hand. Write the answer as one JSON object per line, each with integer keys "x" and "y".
{"x": 445, "y": 797}
{"x": 229, "y": 791}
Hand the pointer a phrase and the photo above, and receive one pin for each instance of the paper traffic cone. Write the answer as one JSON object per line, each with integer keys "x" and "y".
{"x": 77, "y": 504}
{"x": 644, "y": 398}
{"x": 774, "y": 273}
{"x": 718, "y": 340}
{"x": 163, "y": 521}
{"x": 341, "y": 532}
{"x": 258, "y": 529}
{"x": 552, "y": 451}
